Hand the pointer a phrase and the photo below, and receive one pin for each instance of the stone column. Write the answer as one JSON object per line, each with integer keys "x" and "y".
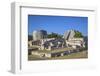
{"x": 62, "y": 54}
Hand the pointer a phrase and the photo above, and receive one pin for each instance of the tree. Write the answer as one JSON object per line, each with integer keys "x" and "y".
{"x": 29, "y": 37}
{"x": 78, "y": 34}
{"x": 54, "y": 35}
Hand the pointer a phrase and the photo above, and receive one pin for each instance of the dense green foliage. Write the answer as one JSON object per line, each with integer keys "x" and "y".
{"x": 54, "y": 35}
{"x": 86, "y": 42}
{"x": 78, "y": 34}
{"x": 29, "y": 37}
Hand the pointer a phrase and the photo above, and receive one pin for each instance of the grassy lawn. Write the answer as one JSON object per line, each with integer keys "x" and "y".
{"x": 77, "y": 55}
{"x": 34, "y": 57}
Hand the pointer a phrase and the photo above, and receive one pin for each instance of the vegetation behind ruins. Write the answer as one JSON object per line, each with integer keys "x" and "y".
{"x": 78, "y": 34}
{"x": 54, "y": 35}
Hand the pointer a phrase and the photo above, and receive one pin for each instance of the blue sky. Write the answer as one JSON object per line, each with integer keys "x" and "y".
{"x": 57, "y": 24}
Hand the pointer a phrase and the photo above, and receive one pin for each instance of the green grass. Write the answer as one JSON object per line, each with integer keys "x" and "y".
{"x": 34, "y": 57}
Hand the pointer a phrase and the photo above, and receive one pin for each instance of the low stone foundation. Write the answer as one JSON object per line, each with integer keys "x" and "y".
{"x": 55, "y": 54}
